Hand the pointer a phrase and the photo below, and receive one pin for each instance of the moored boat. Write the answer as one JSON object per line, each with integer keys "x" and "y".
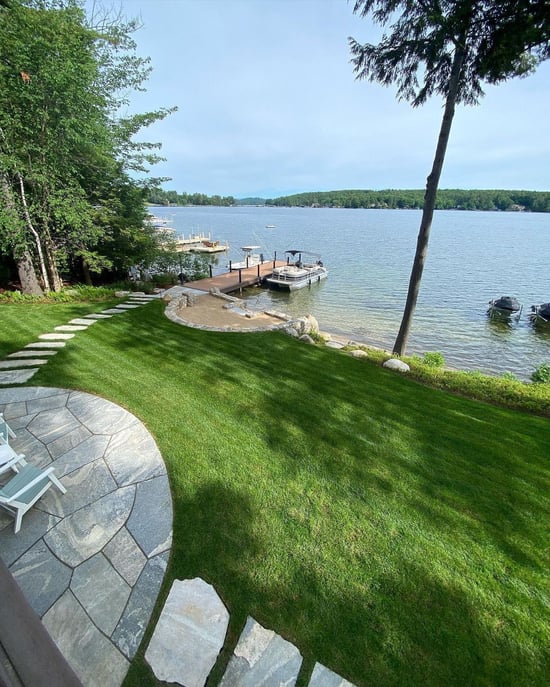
{"x": 540, "y": 313}
{"x": 250, "y": 258}
{"x": 297, "y": 273}
{"x": 505, "y": 306}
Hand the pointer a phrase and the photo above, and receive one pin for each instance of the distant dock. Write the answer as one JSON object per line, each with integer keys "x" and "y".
{"x": 237, "y": 279}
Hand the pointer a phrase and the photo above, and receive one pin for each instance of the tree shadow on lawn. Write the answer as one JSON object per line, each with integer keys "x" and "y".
{"x": 377, "y": 437}
{"x": 401, "y": 629}
{"x": 362, "y": 426}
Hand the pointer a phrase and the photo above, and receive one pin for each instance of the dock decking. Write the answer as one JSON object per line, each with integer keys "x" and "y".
{"x": 237, "y": 279}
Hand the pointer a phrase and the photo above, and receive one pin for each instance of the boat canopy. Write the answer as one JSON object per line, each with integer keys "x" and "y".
{"x": 249, "y": 248}
{"x": 295, "y": 252}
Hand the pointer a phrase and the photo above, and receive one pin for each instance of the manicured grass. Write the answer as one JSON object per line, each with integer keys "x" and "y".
{"x": 396, "y": 533}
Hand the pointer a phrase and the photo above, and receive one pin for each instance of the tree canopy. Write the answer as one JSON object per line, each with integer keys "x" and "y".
{"x": 69, "y": 203}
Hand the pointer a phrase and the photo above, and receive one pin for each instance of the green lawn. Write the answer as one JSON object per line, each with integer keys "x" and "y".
{"x": 395, "y": 533}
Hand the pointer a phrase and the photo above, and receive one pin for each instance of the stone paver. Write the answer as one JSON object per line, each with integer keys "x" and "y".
{"x": 15, "y": 364}
{"x": 323, "y": 677}
{"x": 189, "y": 634}
{"x": 46, "y": 344}
{"x": 262, "y": 659}
{"x": 55, "y": 337}
{"x": 32, "y": 353}
{"x": 98, "y": 316}
{"x": 90, "y": 562}
{"x": 70, "y": 328}
{"x": 82, "y": 321}
{"x": 17, "y": 376}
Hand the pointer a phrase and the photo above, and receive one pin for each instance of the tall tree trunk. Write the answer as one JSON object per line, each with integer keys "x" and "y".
{"x": 33, "y": 231}
{"x": 25, "y": 267}
{"x": 86, "y": 273}
{"x": 432, "y": 184}
{"x": 27, "y": 275}
{"x": 51, "y": 263}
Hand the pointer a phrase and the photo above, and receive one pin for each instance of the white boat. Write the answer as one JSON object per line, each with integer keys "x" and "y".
{"x": 270, "y": 226}
{"x": 250, "y": 259}
{"x": 297, "y": 273}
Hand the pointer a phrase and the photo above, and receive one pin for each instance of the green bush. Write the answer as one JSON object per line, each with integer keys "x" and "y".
{"x": 434, "y": 359}
{"x": 542, "y": 374}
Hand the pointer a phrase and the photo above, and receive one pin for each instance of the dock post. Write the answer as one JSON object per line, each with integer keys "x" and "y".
{"x": 210, "y": 270}
{"x": 240, "y": 276}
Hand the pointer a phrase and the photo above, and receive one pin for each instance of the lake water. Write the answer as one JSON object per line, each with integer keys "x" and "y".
{"x": 473, "y": 257}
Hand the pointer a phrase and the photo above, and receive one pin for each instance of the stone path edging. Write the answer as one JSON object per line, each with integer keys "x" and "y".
{"x": 90, "y": 562}
{"x": 190, "y": 634}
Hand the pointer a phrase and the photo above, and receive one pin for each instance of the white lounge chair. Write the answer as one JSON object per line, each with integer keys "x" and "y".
{"x": 25, "y": 488}
{"x": 6, "y": 432}
{"x": 9, "y": 458}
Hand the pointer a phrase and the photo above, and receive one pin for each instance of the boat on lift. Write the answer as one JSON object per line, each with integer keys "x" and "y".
{"x": 505, "y": 306}
{"x": 540, "y": 313}
{"x": 250, "y": 259}
{"x": 297, "y": 273}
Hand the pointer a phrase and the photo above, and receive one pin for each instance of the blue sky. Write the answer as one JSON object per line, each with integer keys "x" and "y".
{"x": 268, "y": 105}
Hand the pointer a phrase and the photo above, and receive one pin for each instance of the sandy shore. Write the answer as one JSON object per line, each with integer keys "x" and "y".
{"x": 210, "y": 311}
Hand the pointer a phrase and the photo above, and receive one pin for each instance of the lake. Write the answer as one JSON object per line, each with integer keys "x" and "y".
{"x": 473, "y": 257}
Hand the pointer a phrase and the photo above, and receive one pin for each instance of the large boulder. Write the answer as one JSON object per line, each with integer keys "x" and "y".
{"x": 397, "y": 365}
{"x": 359, "y": 353}
{"x": 306, "y": 325}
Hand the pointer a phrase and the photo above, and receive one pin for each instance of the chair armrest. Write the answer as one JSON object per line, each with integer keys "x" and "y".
{"x": 11, "y": 464}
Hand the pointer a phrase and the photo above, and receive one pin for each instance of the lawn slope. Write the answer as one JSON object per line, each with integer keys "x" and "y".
{"x": 395, "y": 533}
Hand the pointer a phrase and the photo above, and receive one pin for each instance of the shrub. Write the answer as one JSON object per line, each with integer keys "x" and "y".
{"x": 542, "y": 374}
{"x": 434, "y": 359}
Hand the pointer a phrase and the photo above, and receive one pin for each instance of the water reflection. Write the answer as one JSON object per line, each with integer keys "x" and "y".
{"x": 541, "y": 329}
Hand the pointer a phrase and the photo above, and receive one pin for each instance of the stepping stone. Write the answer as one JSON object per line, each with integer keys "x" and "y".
{"x": 189, "y": 634}
{"x": 70, "y": 328}
{"x": 323, "y": 677}
{"x": 7, "y": 364}
{"x": 262, "y": 658}
{"x": 30, "y": 354}
{"x": 128, "y": 306}
{"x": 17, "y": 376}
{"x": 97, "y": 316}
{"x": 112, "y": 311}
{"x": 82, "y": 320}
{"x": 55, "y": 337}
{"x": 44, "y": 344}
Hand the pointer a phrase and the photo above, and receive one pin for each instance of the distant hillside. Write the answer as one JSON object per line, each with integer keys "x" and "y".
{"x": 447, "y": 199}
{"x": 250, "y": 201}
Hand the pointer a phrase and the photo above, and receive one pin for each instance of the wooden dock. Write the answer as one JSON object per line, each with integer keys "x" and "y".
{"x": 237, "y": 279}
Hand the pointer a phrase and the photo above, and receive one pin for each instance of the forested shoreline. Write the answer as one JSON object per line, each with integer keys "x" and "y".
{"x": 447, "y": 199}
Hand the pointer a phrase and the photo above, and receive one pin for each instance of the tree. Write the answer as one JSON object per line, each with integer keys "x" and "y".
{"x": 65, "y": 153}
{"x": 447, "y": 48}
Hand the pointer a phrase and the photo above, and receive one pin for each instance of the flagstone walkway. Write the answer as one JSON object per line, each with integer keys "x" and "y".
{"x": 90, "y": 562}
